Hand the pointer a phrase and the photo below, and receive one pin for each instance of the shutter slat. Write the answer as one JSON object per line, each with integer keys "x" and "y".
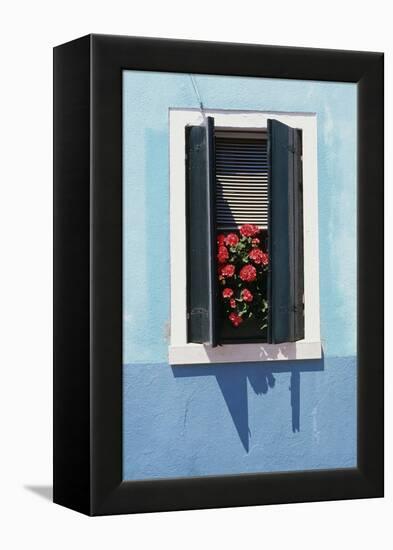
{"x": 241, "y": 182}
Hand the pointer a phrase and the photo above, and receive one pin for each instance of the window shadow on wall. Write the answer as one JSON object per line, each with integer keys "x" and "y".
{"x": 233, "y": 379}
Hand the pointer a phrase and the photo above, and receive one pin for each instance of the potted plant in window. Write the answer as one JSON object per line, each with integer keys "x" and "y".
{"x": 242, "y": 274}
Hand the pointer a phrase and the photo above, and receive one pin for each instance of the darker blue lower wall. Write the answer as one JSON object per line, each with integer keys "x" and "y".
{"x": 243, "y": 418}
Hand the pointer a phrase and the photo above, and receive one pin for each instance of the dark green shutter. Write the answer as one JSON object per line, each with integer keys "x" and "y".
{"x": 285, "y": 234}
{"x": 201, "y": 234}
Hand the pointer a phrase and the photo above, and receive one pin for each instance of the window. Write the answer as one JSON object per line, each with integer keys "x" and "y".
{"x": 243, "y": 168}
{"x": 241, "y": 193}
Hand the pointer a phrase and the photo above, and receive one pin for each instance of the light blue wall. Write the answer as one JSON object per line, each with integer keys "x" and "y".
{"x": 206, "y": 420}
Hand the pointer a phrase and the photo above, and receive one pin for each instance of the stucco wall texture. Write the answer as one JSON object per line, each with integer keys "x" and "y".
{"x": 244, "y": 417}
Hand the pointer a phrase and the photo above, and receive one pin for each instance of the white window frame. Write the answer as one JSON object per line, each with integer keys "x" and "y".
{"x": 182, "y": 352}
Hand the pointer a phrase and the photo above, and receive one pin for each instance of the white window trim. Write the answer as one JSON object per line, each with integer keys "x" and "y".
{"x": 183, "y": 353}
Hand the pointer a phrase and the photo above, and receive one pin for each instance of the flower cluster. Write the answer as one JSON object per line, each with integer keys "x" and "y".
{"x": 242, "y": 269}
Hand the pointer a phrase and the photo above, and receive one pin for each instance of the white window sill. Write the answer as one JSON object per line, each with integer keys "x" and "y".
{"x": 196, "y": 354}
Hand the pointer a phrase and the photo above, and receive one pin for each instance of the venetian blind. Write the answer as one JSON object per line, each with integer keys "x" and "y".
{"x": 241, "y": 181}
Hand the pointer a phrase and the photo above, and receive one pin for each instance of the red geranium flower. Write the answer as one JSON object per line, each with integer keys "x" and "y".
{"x": 249, "y": 230}
{"x": 227, "y": 270}
{"x": 231, "y": 239}
{"x": 227, "y": 293}
{"x": 247, "y": 295}
{"x": 235, "y": 319}
{"x": 232, "y": 303}
{"x": 255, "y": 241}
{"x": 223, "y": 254}
{"x": 220, "y": 240}
{"x": 248, "y": 273}
{"x": 258, "y": 257}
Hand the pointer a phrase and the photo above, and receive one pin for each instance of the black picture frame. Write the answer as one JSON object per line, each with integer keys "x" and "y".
{"x": 88, "y": 274}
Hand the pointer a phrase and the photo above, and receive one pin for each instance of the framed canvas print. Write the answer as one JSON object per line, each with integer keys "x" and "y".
{"x": 218, "y": 274}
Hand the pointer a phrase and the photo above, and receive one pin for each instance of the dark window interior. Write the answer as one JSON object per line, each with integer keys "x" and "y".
{"x": 241, "y": 198}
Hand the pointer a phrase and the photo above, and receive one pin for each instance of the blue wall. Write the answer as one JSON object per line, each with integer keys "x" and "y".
{"x": 206, "y": 420}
